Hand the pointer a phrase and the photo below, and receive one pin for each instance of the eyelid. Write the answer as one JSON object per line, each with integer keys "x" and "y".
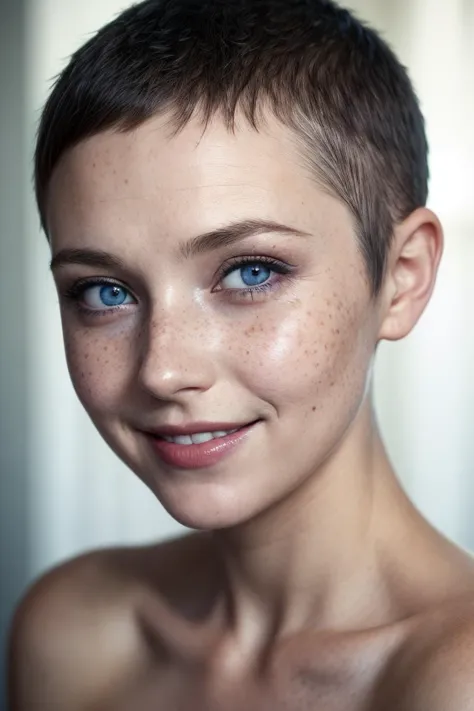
{"x": 81, "y": 285}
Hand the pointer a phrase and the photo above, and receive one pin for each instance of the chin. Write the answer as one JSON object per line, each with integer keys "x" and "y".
{"x": 205, "y": 507}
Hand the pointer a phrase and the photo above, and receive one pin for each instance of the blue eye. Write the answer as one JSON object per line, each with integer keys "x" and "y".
{"x": 99, "y": 295}
{"x": 252, "y": 274}
{"x": 105, "y": 295}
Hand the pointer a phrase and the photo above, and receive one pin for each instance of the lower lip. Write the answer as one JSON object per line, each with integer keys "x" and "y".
{"x": 197, "y": 456}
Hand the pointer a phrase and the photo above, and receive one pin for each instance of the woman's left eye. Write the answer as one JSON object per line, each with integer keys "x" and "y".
{"x": 248, "y": 275}
{"x": 252, "y": 275}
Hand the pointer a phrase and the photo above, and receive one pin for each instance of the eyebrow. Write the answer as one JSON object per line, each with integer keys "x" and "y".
{"x": 236, "y": 231}
{"x": 89, "y": 257}
{"x": 206, "y": 242}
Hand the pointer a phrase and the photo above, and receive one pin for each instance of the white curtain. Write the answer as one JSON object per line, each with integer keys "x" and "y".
{"x": 81, "y": 496}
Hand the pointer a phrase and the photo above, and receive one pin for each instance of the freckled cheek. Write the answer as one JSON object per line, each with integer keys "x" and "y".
{"x": 98, "y": 367}
{"x": 305, "y": 353}
{"x": 277, "y": 351}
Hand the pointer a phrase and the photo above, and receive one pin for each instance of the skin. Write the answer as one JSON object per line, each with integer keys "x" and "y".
{"x": 314, "y": 582}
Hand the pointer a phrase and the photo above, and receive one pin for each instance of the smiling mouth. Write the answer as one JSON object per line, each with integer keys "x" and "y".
{"x": 195, "y": 450}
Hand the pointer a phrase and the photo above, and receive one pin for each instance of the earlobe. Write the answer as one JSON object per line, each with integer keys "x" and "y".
{"x": 411, "y": 273}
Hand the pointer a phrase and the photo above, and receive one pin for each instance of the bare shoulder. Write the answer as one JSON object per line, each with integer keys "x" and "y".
{"x": 434, "y": 669}
{"x": 74, "y": 638}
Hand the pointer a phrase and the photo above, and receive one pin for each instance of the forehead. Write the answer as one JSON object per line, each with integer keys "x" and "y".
{"x": 188, "y": 182}
{"x": 178, "y": 161}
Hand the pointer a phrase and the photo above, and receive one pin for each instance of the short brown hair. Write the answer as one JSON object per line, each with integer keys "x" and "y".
{"x": 326, "y": 75}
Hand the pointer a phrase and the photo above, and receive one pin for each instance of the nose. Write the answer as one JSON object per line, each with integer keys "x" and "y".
{"x": 177, "y": 355}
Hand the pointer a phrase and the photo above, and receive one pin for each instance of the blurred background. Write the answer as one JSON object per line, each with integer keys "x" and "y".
{"x": 61, "y": 490}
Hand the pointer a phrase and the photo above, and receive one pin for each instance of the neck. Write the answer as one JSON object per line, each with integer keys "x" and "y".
{"x": 316, "y": 558}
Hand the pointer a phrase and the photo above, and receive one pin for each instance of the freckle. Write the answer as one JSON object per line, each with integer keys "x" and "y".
{"x": 106, "y": 348}
{"x": 86, "y": 356}
{"x": 332, "y": 385}
{"x": 247, "y": 352}
{"x": 314, "y": 408}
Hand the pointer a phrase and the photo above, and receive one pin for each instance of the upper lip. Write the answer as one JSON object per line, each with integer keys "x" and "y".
{"x": 196, "y": 428}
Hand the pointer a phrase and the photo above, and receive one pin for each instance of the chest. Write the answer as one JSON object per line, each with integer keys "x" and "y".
{"x": 293, "y": 687}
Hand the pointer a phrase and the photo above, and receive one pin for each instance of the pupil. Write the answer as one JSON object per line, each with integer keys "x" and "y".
{"x": 255, "y": 274}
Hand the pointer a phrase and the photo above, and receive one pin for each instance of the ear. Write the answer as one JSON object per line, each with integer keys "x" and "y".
{"x": 411, "y": 274}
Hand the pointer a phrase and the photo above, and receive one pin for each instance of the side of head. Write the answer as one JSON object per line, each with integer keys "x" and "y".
{"x": 233, "y": 194}
{"x": 332, "y": 81}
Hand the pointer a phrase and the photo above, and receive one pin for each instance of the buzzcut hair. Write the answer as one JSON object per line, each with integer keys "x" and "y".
{"x": 332, "y": 80}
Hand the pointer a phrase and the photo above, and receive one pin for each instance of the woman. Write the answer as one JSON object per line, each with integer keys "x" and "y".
{"x": 235, "y": 199}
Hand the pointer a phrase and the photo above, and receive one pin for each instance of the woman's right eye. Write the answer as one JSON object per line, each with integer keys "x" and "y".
{"x": 100, "y": 296}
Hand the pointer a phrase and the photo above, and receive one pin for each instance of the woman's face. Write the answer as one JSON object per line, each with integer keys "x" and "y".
{"x": 270, "y": 325}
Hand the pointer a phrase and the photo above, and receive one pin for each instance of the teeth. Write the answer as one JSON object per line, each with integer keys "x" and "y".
{"x": 221, "y": 433}
{"x": 182, "y": 439}
{"x": 199, "y": 437}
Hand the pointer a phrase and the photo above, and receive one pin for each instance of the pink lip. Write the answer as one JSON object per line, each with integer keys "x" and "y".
{"x": 197, "y": 456}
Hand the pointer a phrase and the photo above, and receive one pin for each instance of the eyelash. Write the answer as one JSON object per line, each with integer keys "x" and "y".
{"x": 77, "y": 290}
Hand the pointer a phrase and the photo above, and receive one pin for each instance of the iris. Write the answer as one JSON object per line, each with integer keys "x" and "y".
{"x": 112, "y": 295}
{"x": 255, "y": 274}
